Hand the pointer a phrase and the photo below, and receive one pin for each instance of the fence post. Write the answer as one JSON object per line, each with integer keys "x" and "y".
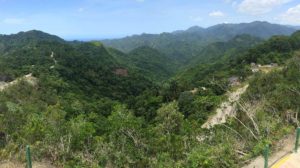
{"x": 297, "y": 139}
{"x": 28, "y": 157}
{"x": 266, "y": 156}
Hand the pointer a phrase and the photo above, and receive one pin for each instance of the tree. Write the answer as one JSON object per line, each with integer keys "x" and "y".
{"x": 168, "y": 130}
{"x": 185, "y": 103}
{"x": 125, "y": 138}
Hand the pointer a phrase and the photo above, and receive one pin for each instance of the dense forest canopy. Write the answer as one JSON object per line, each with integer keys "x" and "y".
{"x": 83, "y": 104}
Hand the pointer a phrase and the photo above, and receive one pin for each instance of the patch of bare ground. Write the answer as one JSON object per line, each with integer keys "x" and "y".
{"x": 28, "y": 78}
{"x": 227, "y": 109}
{"x": 15, "y": 164}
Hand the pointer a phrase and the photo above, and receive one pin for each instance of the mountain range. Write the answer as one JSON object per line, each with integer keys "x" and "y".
{"x": 186, "y": 44}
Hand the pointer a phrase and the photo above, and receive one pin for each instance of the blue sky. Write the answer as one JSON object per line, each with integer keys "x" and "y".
{"x": 98, "y": 19}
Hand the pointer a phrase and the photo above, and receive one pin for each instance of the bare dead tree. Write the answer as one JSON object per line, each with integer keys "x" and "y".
{"x": 233, "y": 131}
{"x": 245, "y": 109}
{"x": 254, "y": 136}
{"x": 294, "y": 90}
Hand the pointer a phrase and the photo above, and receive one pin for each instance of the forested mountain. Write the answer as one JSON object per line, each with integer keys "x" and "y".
{"x": 88, "y": 68}
{"x": 182, "y": 45}
{"x": 257, "y": 29}
{"x": 148, "y": 61}
{"x": 152, "y": 63}
{"x": 236, "y": 60}
{"x": 22, "y": 39}
{"x": 217, "y": 50}
{"x": 87, "y": 105}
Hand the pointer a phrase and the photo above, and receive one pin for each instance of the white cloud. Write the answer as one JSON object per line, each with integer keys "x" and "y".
{"x": 291, "y": 16}
{"x": 13, "y": 21}
{"x": 216, "y": 14}
{"x": 257, "y": 7}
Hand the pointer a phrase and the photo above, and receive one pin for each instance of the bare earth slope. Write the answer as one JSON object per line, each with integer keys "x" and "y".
{"x": 28, "y": 78}
{"x": 227, "y": 109}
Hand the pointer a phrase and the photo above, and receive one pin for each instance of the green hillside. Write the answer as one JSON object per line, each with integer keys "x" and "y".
{"x": 152, "y": 63}
{"x": 86, "y": 105}
{"x": 87, "y": 68}
{"x": 147, "y": 61}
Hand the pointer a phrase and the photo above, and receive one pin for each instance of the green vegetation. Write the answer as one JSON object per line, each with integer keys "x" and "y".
{"x": 94, "y": 106}
{"x": 152, "y": 63}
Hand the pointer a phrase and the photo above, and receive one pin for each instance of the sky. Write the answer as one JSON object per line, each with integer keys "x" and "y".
{"x": 100, "y": 19}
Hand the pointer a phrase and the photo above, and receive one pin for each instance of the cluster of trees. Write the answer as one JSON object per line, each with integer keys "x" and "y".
{"x": 73, "y": 132}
